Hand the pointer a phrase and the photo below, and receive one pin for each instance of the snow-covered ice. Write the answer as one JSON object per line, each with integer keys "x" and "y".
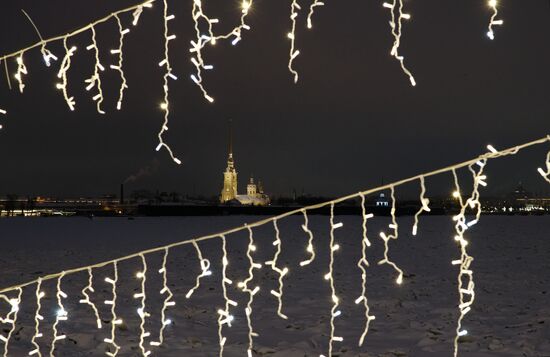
{"x": 511, "y": 315}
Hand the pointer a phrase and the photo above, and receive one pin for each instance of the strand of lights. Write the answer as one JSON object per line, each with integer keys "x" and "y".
{"x": 62, "y": 74}
{"x": 198, "y": 45}
{"x": 396, "y": 24}
{"x": 7, "y": 72}
{"x": 114, "y": 318}
{"x": 466, "y": 290}
{"x": 47, "y": 55}
{"x": 143, "y": 314}
{"x": 310, "y": 249}
{"x": 37, "y": 318}
{"x": 61, "y": 315}
{"x": 281, "y": 272}
{"x": 21, "y": 70}
{"x": 363, "y": 264}
{"x": 386, "y": 238}
{"x": 11, "y": 318}
{"x": 224, "y": 317}
{"x": 312, "y": 12}
{"x": 139, "y": 10}
{"x": 95, "y": 79}
{"x": 294, "y": 9}
{"x": 334, "y": 312}
{"x": 251, "y": 292}
{"x": 493, "y": 4}
{"x": 425, "y": 202}
{"x": 87, "y": 301}
{"x": 472, "y": 203}
{"x": 203, "y": 39}
{"x": 118, "y": 67}
{"x": 205, "y": 270}
{"x": 546, "y": 174}
{"x": 485, "y": 156}
{"x": 167, "y": 300}
{"x": 165, "y": 105}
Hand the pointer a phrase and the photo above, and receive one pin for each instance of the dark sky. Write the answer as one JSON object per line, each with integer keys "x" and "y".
{"x": 351, "y": 121}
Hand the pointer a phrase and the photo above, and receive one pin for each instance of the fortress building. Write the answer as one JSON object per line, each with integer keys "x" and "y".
{"x": 255, "y": 195}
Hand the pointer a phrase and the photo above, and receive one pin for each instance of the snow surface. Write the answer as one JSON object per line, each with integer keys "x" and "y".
{"x": 511, "y": 315}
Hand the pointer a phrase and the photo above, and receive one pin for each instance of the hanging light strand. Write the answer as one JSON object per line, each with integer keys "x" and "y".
{"x": 424, "y": 202}
{"x": 205, "y": 270}
{"x": 114, "y": 318}
{"x": 37, "y": 318}
{"x": 334, "y": 312}
{"x": 11, "y": 318}
{"x": 386, "y": 238}
{"x": 396, "y": 24}
{"x": 95, "y": 79}
{"x": 61, "y": 315}
{"x": 21, "y": 71}
{"x": 142, "y": 312}
{"x": 118, "y": 67}
{"x": 85, "y": 292}
{"x": 310, "y": 249}
{"x": 363, "y": 264}
{"x": 167, "y": 300}
{"x": 224, "y": 315}
{"x": 165, "y": 105}
{"x": 493, "y": 4}
{"x": 62, "y": 74}
{"x": 251, "y": 292}
{"x": 294, "y": 10}
{"x": 311, "y": 12}
{"x": 277, "y": 243}
{"x": 546, "y": 174}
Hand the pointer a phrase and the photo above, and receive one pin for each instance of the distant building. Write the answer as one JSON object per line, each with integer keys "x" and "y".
{"x": 382, "y": 201}
{"x": 255, "y": 195}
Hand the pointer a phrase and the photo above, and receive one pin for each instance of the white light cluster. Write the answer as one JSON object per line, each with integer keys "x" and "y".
{"x": 363, "y": 264}
{"x": 85, "y": 292}
{"x": 277, "y": 243}
{"x": 165, "y": 105}
{"x": 164, "y": 322}
{"x": 424, "y": 202}
{"x": 95, "y": 79}
{"x": 387, "y": 237}
{"x": 118, "y": 67}
{"x": 493, "y": 4}
{"x": 466, "y": 289}
{"x": 114, "y": 318}
{"x": 334, "y": 312}
{"x": 396, "y": 24}
{"x": 224, "y": 315}
{"x": 251, "y": 292}
{"x": 10, "y": 319}
{"x": 310, "y": 248}
{"x": 61, "y": 315}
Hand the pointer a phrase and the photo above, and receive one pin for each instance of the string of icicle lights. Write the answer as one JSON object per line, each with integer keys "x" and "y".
{"x": 205, "y": 35}
{"x": 467, "y": 217}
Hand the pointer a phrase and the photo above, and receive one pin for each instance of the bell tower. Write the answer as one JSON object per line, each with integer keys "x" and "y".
{"x": 229, "y": 191}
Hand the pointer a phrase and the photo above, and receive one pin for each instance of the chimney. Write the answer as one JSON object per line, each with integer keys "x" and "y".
{"x": 121, "y": 193}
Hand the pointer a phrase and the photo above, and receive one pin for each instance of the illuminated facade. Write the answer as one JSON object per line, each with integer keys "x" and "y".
{"x": 255, "y": 195}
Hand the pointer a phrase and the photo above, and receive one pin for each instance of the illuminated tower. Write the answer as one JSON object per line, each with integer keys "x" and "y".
{"x": 229, "y": 191}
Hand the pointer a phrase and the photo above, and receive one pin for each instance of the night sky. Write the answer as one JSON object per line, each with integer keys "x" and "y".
{"x": 352, "y": 120}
